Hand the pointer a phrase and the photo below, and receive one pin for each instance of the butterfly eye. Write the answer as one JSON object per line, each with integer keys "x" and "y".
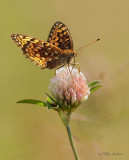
{"x": 72, "y": 54}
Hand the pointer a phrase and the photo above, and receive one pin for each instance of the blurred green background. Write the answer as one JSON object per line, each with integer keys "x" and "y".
{"x": 101, "y": 124}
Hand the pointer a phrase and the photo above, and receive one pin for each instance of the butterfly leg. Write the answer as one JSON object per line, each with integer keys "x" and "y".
{"x": 70, "y": 71}
{"x": 76, "y": 64}
{"x": 58, "y": 68}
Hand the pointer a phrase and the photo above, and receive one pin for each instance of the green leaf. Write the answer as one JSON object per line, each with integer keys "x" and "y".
{"x": 48, "y": 104}
{"x": 52, "y": 99}
{"x": 93, "y": 89}
{"x": 49, "y": 100}
{"x": 93, "y": 83}
{"x": 32, "y": 101}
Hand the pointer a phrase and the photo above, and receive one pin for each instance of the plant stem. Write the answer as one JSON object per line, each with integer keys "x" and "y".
{"x": 72, "y": 142}
{"x": 65, "y": 119}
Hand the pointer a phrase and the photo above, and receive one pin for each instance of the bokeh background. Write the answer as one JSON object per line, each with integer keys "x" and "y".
{"x": 100, "y": 125}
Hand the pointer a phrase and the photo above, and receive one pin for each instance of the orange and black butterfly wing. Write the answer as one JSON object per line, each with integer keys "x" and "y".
{"x": 42, "y": 53}
{"x": 60, "y": 36}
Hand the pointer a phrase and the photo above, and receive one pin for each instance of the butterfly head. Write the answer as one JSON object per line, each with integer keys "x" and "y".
{"x": 73, "y": 54}
{"x": 70, "y": 55}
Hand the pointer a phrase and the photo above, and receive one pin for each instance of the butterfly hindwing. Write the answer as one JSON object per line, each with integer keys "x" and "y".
{"x": 60, "y": 36}
{"x": 42, "y": 53}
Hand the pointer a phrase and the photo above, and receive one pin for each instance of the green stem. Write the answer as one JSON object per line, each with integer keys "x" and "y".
{"x": 72, "y": 143}
{"x": 65, "y": 119}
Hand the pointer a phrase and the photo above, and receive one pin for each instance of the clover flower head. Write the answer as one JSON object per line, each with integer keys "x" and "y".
{"x": 69, "y": 87}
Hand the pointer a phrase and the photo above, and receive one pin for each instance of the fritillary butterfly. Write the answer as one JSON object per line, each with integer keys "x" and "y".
{"x": 57, "y": 51}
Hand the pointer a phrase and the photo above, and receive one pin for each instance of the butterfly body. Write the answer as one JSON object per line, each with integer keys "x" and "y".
{"x": 57, "y": 51}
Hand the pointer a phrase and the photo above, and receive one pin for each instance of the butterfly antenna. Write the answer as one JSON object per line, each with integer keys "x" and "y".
{"x": 88, "y": 44}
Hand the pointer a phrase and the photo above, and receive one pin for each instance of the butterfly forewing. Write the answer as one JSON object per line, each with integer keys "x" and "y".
{"x": 42, "y": 53}
{"x": 60, "y": 36}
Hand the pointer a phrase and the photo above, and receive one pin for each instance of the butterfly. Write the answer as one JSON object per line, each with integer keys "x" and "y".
{"x": 56, "y": 52}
